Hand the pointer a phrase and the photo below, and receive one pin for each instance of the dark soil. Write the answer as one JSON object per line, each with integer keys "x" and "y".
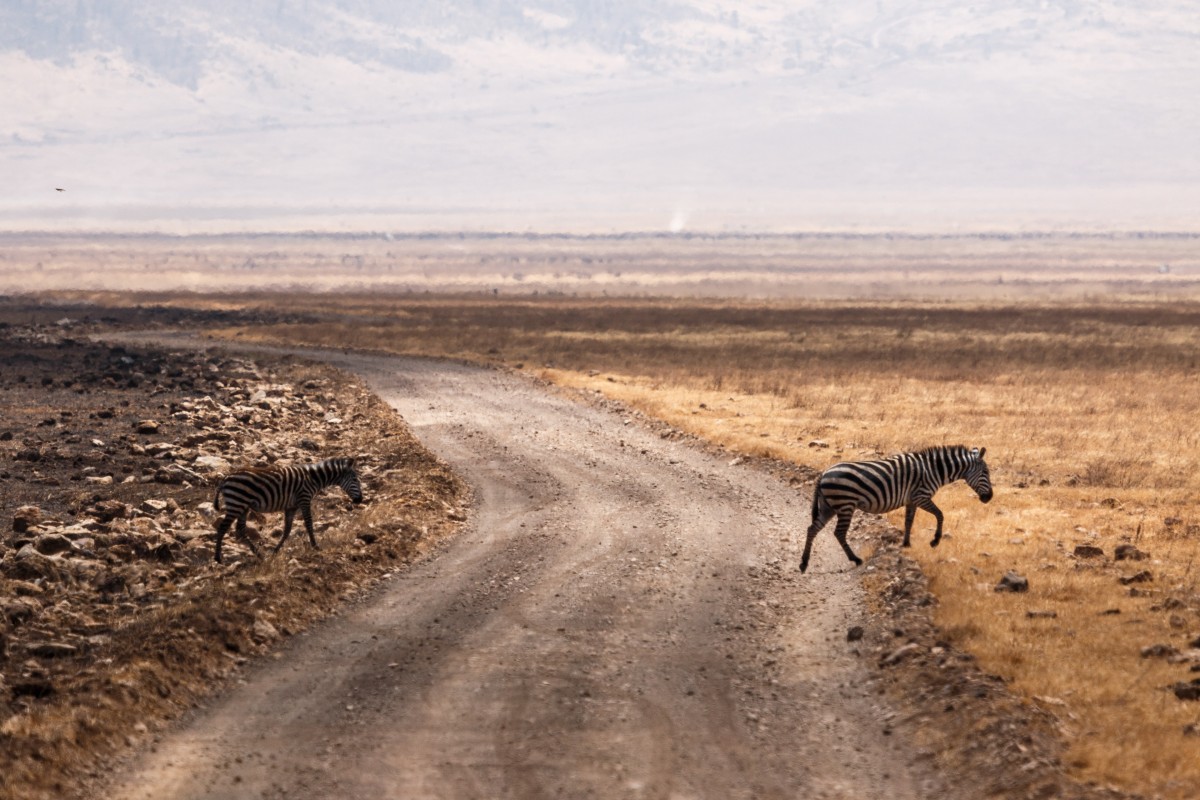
{"x": 113, "y": 617}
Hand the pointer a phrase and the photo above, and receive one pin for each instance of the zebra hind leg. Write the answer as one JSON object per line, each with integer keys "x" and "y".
{"x": 843, "y": 527}
{"x": 241, "y": 534}
{"x": 222, "y": 527}
{"x": 819, "y": 522}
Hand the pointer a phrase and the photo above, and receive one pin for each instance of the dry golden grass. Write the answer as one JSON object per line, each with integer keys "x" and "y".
{"x": 1088, "y": 413}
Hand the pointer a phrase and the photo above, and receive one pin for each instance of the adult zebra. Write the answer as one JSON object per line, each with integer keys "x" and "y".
{"x": 285, "y": 489}
{"x": 907, "y": 479}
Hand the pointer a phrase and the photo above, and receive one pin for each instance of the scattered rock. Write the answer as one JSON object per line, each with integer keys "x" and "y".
{"x": 26, "y": 517}
{"x": 51, "y": 649}
{"x": 1159, "y": 650}
{"x": 50, "y": 543}
{"x": 368, "y": 537}
{"x": 1187, "y": 691}
{"x": 854, "y": 634}
{"x": 1192, "y": 729}
{"x": 899, "y": 654}
{"x": 1012, "y": 582}
{"x": 147, "y": 426}
{"x": 1088, "y": 551}
{"x": 1128, "y": 552}
{"x": 263, "y": 631}
{"x": 211, "y": 463}
{"x": 1145, "y": 576}
{"x": 819, "y": 443}
{"x": 153, "y": 505}
{"x": 30, "y": 565}
{"x": 1041, "y": 614}
{"x": 108, "y": 510}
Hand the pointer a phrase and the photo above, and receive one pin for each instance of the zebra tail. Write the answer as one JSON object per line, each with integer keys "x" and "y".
{"x": 217, "y": 496}
{"x": 816, "y": 507}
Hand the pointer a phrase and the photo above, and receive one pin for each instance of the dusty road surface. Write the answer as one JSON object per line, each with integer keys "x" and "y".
{"x": 623, "y": 618}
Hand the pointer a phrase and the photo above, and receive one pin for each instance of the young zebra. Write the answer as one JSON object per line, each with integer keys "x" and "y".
{"x": 285, "y": 489}
{"x": 907, "y": 479}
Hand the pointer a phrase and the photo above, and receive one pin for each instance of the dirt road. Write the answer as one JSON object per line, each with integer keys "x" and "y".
{"x": 623, "y": 617}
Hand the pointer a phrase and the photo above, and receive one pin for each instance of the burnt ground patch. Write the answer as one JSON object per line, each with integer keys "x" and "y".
{"x": 113, "y": 618}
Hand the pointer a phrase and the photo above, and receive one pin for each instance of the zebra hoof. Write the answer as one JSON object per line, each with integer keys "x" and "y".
{"x": 934, "y": 543}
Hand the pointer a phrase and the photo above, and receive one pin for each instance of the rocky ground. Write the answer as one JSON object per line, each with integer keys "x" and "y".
{"x": 113, "y": 617}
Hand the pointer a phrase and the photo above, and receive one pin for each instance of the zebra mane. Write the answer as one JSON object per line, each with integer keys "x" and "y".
{"x": 954, "y": 449}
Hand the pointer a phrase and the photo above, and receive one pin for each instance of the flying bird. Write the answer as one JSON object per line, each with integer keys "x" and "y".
{"x": 58, "y": 189}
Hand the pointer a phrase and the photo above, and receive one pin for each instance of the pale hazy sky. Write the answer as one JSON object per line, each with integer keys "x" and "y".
{"x": 365, "y": 114}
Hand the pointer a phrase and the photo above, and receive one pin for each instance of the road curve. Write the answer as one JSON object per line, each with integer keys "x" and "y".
{"x": 622, "y": 618}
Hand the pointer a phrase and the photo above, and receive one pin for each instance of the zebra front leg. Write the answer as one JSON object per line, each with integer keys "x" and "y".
{"x": 910, "y": 511}
{"x": 843, "y": 527}
{"x": 306, "y": 510}
{"x": 928, "y": 505}
{"x": 289, "y": 514}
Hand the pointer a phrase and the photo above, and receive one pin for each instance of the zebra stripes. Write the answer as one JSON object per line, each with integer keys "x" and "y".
{"x": 285, "y": 489}
{"x": 907, "y": 479}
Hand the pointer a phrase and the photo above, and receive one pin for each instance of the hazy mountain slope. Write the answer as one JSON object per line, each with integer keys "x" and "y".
{"x": 592, "y": 114}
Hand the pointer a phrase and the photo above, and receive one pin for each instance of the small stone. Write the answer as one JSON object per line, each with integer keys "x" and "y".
{"x": 51, "y": 649}
{"x": 1088, "y": 551}
{"x": 1041, "y": 614}
{"x": 1012, "y": 582}
{"x": 854, "y": 634}
{"x": 154, "y": 506}
{"x": 1159, "y": 650}
{"x": 368, "y": 537}
{"x": 25, "y": 517}
{"x": 108, "y": 510}
{"x": 147, "y": 426}
{"x": 1187, "y": 691}
{"x": 899, "y": 654}
{"x": 30, "y": 565}
{"x": 99, "y": 480}
{"x": 50, "y": 543}
{"x": 263, "y": 631}
{"x": 1192, "y": 729}
{"x": 213, "y": 463}
{"x": 1144, "y": 576}
{"x": 1127, "y": 552}
{"x": 820, "y": 444}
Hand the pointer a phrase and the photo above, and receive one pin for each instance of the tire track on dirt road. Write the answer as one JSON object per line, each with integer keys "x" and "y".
{"x": 622, "y": 617}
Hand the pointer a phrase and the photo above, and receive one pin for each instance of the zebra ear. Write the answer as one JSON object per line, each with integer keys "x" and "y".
{"x": 982, "y": 450}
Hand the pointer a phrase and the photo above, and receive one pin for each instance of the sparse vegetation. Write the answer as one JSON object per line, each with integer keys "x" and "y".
{"x": 1088, "y": 412}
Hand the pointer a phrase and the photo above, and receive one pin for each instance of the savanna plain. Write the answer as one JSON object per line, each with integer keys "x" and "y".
{"x": 1083, "y": 391}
